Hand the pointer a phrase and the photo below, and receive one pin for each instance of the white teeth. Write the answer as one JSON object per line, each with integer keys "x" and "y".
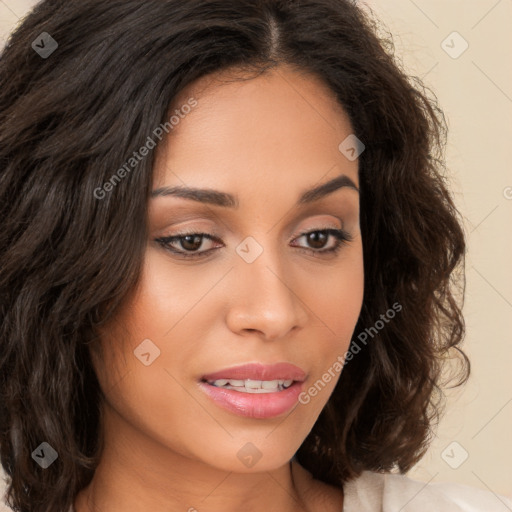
{"x": 221, "y": 382}
{"x": 236, "y": 382}
{"x": 252, "y": 386}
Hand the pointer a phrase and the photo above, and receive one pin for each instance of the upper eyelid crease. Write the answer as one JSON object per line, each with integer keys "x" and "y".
{"x": 226, "y": 200}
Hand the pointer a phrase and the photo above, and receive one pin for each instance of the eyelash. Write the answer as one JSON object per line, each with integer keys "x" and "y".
{"x": 342, "y": 237}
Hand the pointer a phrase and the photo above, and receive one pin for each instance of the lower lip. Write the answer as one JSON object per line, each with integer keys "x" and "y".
{"x": 254, "y": 405}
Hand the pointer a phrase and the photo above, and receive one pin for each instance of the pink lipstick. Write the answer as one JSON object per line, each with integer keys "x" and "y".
{"x": 255, "y": 390}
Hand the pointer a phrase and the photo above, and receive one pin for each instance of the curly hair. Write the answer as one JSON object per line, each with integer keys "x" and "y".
{"x": 68, "y": 259}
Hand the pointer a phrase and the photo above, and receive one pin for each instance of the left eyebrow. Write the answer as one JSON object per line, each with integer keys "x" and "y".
{"x": 223, "y": 199}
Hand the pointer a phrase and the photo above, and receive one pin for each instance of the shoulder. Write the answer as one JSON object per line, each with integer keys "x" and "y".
{"x": 386, "y": 492}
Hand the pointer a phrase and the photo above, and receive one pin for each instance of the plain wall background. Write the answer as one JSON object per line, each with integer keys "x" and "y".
{"x": 475, "y": 91}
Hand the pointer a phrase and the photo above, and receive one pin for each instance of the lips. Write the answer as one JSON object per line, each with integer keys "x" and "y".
{"x": 260, "y": 391}
{"x": 258, "y": 371}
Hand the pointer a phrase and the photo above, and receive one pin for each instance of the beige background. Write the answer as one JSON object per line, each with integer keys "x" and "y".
{"x": 475, "y": 91}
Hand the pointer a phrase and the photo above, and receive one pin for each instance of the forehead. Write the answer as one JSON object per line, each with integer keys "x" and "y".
{"x": 278, "y": 126}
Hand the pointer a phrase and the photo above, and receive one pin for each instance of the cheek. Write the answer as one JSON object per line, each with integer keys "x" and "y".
{"x": 157, "y": 325}
{"x": 336, "y": 301}
{"x": 335, "y": 297}
{"x": 166, "y": 307}
{"x": 138, "y": 375}
{"x": 167, "y": 293}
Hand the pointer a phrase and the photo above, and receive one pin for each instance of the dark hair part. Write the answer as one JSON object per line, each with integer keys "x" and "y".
{"x": 68, "y": 259}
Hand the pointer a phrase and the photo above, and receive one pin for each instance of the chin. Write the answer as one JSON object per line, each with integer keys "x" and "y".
{"x": 252, "y": 455}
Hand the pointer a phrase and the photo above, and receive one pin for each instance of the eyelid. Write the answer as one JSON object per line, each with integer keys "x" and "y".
{"x": 215, "y": 235}
{"x": 340, "y": 234}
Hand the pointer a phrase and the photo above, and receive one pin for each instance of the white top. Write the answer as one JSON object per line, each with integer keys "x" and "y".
{"x": 377, "y": 492}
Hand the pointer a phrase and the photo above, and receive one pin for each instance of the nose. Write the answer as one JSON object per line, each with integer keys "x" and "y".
{"x": 265, "y": 298}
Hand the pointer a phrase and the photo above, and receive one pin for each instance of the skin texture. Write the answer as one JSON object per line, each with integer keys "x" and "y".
{"x": 167, "y": 445}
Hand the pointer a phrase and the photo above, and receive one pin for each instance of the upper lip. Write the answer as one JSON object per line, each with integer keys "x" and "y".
{"x": 259, "y": 371}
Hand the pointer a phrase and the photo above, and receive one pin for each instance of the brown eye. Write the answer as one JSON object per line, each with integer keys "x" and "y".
{"x": 187, "y": 245}
{"x": 191, "y": 242}
{"x": 317, "y": 239}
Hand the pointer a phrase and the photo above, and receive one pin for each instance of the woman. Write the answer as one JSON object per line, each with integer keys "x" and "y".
{"x": 228, "y": 261}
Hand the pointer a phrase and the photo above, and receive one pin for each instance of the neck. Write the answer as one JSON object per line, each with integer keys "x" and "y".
{"x": 136, "y": 472}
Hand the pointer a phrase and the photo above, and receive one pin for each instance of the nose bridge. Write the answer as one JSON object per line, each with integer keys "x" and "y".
{"x": 265, "y": 298}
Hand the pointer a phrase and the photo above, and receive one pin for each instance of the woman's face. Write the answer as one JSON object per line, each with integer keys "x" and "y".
{"x": 259, "y": 292}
